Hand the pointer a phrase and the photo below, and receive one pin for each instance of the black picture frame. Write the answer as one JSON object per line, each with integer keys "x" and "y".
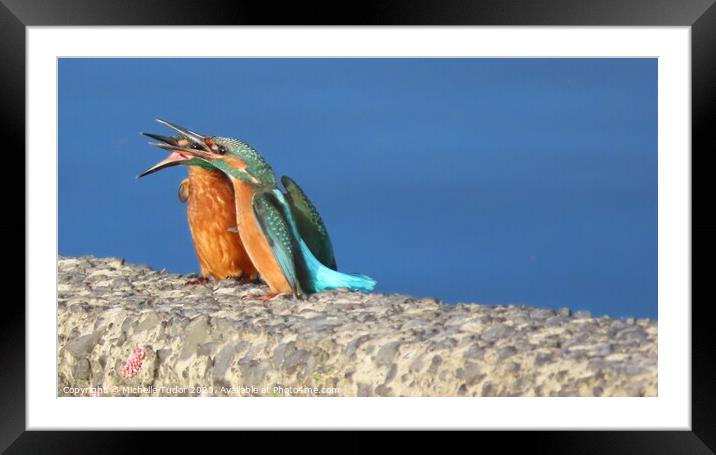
{"x": 700, "y": 15}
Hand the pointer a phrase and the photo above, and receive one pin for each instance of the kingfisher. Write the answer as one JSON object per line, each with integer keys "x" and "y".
{"x": 211, "y": 213}
{"x": 283, "y": 233}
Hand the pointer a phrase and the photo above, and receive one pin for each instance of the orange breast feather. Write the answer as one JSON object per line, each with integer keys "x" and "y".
{"x": 211, "y": 212}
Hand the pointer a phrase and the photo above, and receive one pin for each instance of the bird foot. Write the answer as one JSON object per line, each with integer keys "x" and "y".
{"x": 262, "y": 298}
{"x": 200, "y": 280}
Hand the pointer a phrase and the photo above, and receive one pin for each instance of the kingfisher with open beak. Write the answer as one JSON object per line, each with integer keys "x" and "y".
{"x": 283, "y": 233}
{"x": 211, "y": 211}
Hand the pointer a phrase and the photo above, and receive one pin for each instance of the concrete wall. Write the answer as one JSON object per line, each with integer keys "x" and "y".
{"x": 129, "y": 330}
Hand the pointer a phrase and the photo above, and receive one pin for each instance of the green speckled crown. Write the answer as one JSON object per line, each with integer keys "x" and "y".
{"x": 256, "y": 165}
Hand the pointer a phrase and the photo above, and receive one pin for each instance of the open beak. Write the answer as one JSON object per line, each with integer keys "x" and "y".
{"x": 181, "y": 149}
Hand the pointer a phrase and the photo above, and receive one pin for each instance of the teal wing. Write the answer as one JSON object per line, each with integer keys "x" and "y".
{"x": 276, "y": 228}
{"x": 309, "y": 222}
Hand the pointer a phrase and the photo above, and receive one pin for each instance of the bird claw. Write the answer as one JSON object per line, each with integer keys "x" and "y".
{"x": 262, "y": 298}
{"x": 200, "y": 280}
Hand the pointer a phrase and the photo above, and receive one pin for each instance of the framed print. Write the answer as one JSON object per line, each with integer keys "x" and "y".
{"x": 508, "y": 193}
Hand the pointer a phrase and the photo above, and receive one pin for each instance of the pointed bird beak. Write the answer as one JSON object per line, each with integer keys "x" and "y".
{"x": 193, "y": 136}
{"x": 190, "y": 141}
{"x": 192, "y": 144}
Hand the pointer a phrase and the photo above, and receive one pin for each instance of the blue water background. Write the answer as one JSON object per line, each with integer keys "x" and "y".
{"x": 504, "y": 181}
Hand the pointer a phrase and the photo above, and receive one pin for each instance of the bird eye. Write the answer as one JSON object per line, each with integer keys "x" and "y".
{"x": 222, "y": 150}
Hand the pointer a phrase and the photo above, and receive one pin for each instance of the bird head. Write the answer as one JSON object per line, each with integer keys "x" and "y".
{"x": 232, "y": 156}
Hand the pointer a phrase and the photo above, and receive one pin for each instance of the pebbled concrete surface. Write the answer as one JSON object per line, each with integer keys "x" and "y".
{"x": 128, "y": 330}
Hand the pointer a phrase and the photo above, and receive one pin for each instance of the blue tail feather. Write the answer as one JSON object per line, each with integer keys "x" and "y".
{"x": 324, "y": 278}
